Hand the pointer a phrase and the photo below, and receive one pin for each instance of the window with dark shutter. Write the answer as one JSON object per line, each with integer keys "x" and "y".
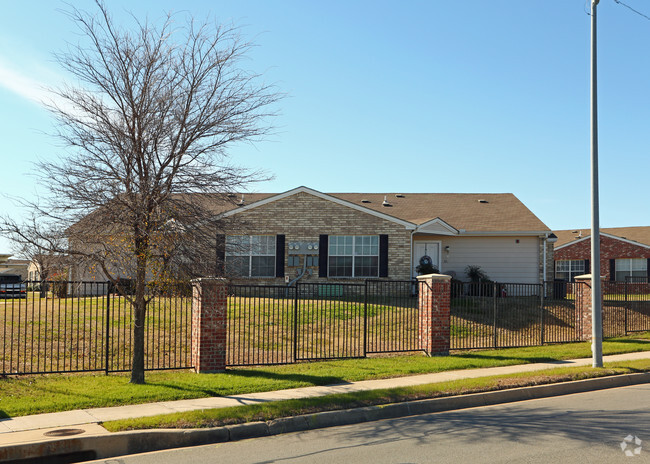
{"x": 587, "y": 267}
{"x": 279, "y": 255}
{"x": 383, "y": 256}
{"x": 322, "y": 255}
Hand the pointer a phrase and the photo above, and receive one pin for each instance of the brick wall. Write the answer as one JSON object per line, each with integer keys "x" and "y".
{"x": 304, "y": 217}
{"x": 609, "y": 249}
{"x": 435, "y": 314}
{"x": 209, "y": 314}
{"x": 583, "y": 305}
{"x": 550, "y": 261}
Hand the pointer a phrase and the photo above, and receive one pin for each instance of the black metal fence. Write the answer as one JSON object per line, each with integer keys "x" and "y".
{"x": 309, "y": 321}
{"x": 496, "y": 315}
{"x": 274, "y": 325}
{"x": 85, "y": 326}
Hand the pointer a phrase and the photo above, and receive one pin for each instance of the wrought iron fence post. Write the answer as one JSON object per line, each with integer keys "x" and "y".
{"x": 541, "y": 312}
{"x": 108, "y": 325}
{"x": 295, "y": 323}
{"x": 365, "y": 319}
{"x": 626, "y": 305}
{"x": 494, "y": 322}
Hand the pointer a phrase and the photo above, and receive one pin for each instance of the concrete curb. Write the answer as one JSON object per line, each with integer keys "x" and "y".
{"x": 124, "y": 443}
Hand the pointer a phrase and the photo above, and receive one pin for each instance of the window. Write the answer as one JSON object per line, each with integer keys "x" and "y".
{"x": 568, "y": 269}
{"x": 631, "y": 267}
{"x": 250, "y": 255}
{"x": 353, "y": 256}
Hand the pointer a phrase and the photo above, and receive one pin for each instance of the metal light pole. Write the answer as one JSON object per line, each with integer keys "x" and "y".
{"x": 596, "y": 298}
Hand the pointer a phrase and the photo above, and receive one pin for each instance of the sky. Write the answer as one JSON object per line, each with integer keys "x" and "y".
{"x": 387, "y": 96}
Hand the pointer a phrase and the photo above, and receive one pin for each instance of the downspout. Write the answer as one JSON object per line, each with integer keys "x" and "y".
{"x": 411, "y": 257}
{"x": 544, "y": 271}
{"x": 302, "y": 273}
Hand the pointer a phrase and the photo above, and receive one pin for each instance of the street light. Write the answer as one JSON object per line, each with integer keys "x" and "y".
{"x": 596, "y": 298}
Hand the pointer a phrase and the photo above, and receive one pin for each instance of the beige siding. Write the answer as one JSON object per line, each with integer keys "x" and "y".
{"x": 502, "y": 258}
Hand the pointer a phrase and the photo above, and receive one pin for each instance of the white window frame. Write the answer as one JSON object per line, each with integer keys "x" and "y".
{"x": 333, "y": 251}
{"x": 628, "y": 266}
{"x": 574, "y": 267}
{"x": 237, "y": 248}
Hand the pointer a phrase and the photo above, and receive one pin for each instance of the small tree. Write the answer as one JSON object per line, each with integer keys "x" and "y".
{"x": 146, "y": 126}
{"x": 476, "y": 274}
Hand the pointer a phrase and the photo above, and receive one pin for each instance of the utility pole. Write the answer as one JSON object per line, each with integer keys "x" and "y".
{"x": 596, "y": 293}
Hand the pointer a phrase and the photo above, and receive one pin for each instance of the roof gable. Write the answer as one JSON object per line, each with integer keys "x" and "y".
{"x": 466, "y": 213}
{"x": 437, "y": 226}
{"x": 639, "y": 236}
{"x": 323, "y": 196}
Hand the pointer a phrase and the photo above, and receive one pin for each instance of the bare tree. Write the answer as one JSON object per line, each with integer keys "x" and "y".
{"x": 145, "y": 128}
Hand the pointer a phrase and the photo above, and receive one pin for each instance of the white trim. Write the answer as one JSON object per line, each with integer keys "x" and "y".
{"x": 438, "y": 222}
{"x": 324, "y": 196}
{"x": 602, "y": 234}
{"x": 524, "y": 233}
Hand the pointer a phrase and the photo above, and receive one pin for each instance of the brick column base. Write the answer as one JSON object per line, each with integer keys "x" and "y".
{"x": 584, "y": 306}
{"x": 209, "y": 306}
{"x": 435, "y": 313}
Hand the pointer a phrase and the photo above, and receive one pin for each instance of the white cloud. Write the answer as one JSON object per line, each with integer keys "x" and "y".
{"x": 22, "y": 84}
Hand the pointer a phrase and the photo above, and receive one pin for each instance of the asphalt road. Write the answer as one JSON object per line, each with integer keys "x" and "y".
{"x": 584, "y": 427}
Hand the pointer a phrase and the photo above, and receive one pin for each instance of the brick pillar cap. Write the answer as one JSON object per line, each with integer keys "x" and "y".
{"x": 435, "y": 277}
{"x": 587, "y": 277}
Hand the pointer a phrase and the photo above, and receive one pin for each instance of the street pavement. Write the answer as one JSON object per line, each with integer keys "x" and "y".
{"x": 594, "y": 427}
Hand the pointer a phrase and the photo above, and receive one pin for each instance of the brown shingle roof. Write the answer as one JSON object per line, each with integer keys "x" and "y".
{"x": 473, "y": 212}
{"x": 639, "y": 234}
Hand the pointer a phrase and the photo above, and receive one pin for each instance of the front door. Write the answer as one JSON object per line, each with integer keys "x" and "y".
{"x": 430, "y": 249}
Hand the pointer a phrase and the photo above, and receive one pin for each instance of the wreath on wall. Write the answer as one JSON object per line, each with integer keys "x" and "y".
{"x": 426, "y": 266}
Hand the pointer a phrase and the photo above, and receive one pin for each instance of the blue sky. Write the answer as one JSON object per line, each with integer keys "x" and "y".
{"x": 413, "y": 96}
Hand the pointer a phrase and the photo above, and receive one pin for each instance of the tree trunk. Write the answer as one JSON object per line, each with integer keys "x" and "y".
{"x": 139, "y": 310}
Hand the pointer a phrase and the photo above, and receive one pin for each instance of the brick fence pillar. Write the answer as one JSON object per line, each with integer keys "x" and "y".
{"x": 435, "y": 313}
{"x": 584, "y": 307}
{"x": 209, "y": 313}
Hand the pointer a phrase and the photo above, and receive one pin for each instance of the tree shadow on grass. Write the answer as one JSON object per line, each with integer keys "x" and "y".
{"x": 286, "y": 381}
{"x": 517, "y": 360}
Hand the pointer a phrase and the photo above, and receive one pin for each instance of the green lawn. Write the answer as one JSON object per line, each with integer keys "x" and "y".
{"x": 50, "y": 393}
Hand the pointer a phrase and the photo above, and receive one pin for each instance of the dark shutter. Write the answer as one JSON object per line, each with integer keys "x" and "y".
{"x": 587, "y": 267}
{"x": 612, "y": 270}
{"x": 322, "y": 256}
{"x": 220, "y": 257}
{"x": 279, "y": 255}
{"x": 647, "y": 271}
{"x": 383, "y": 256}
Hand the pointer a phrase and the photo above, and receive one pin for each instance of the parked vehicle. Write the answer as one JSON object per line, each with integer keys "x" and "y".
{"x": 12, "y": 286}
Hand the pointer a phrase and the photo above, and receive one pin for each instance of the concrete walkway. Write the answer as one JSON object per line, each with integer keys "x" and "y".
{"x": 27, "y": 429}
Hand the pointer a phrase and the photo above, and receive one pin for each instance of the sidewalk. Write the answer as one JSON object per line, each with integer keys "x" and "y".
{"x": 27, "y": 429}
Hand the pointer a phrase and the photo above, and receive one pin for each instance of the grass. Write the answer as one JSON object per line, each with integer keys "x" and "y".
{"x": 50, "y": 393}
{"x": 274, "y": 410}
